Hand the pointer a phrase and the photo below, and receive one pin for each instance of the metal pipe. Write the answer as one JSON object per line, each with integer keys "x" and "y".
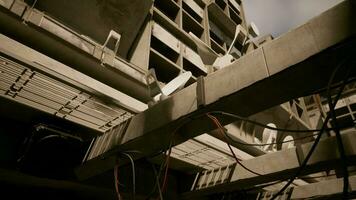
{"x": 64, "y": 52}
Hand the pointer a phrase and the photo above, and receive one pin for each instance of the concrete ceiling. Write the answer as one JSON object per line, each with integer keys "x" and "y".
{"x": 96, "y": 18}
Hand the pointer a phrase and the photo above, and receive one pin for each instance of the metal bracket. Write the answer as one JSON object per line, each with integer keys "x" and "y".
{"x": 115, "y": 35}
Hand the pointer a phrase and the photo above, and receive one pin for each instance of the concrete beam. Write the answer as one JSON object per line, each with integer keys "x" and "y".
{"x": 330, "y": 188}
{"x": 42, "y": 63}
{"x": 282, "y": 165}
{"x": 64, "y": 52}
{"x": 298, "y": 63}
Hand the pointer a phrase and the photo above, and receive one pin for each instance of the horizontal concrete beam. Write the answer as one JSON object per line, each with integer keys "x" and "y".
{"x": 64, "y": 52}
{"x": 331, "y": 188}
{"x": 298, "y": 63}
{"x": 283, "y": 164}
{"x": 66, "y": 74}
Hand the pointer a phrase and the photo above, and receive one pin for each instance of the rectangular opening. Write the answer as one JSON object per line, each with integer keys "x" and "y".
{"x": 238, "y": 45}
{"x": 165, "y": 69}
{"x": 353, "y": 107}
{"x": 345, "y": 121}
{"x": 341, "y": 111}
{"x": 216, "y": 38}
{"x": 217, "y": 34}
{"x": 192, "y": 80}
{"x": 191, "y": 25}
{"x": 221, "y": 4}
{"x": 163, "y": 49}
{"x": 234, "y": 16}
{"x": 299, "y": 111}
{"x": 194, "y": 12}
{"x": 234, "y": 6}
{"x": 196, "y": 71}
{"x": 216, "y": 47}
{"x": 169, "y": 7}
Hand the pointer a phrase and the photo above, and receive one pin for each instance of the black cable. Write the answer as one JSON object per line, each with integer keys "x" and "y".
{"x": 263, "y": 125}
{"x": 307, "y": 157}
{"x": 338, "y": 135}
{"x": 157, "y": 181}
{"x": 165, "y": 161}
{"x": 217, "y": 123}
{"x": 234, "y": 155}
{"x": 266, "y": 144}
{"x": 133, "y": 175}
{"x": 246, "y": 168}
{"x": 168, "y": 155}
{"x": 302, "y": 166}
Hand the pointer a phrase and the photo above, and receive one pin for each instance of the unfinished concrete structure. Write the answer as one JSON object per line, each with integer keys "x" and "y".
{"x": 78, "y": 81}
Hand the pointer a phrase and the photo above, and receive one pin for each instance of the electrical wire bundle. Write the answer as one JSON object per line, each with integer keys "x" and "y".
{"x": 167, "y": 161}
{"x": 265, "y": 126}
{"x": 331, "y": 115}
{"x": 338, "y": 138}
{"x": 212, "y": 116}
{"x": 336, "y": 127}
{"x": 116, "y": 177}
{"x": 163, "y": 167}
{"x": 221, "y": 129}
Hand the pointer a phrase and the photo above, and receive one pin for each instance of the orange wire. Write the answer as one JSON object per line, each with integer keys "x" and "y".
{"x": 116, "y": 175}
{"x": 165, "y": 179}
{"x": 221, "y": 129}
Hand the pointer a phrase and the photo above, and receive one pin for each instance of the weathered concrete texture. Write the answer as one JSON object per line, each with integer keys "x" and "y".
{"x": 289, "y": 49}
{"x": 324, "y": 188}
{"x": 219, "y": 18}
{"x": 242, "y": 73}
{"x": 283, "y": 164}
{"x": 60, "y": 50}
{"x": 331, "y": 28}
{"x": 97, "y": 18}
{"x": 318, "y": 34}
{"x": 20, "y": 52}
{"x": 246, "y": 87}
{"x": 295, "y": 46}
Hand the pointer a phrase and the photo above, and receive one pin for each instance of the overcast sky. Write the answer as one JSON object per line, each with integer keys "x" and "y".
{"x": 278, "y": 16}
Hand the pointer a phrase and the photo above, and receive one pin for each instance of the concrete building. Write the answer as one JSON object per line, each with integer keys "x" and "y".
{"x": 174, "y": 99}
